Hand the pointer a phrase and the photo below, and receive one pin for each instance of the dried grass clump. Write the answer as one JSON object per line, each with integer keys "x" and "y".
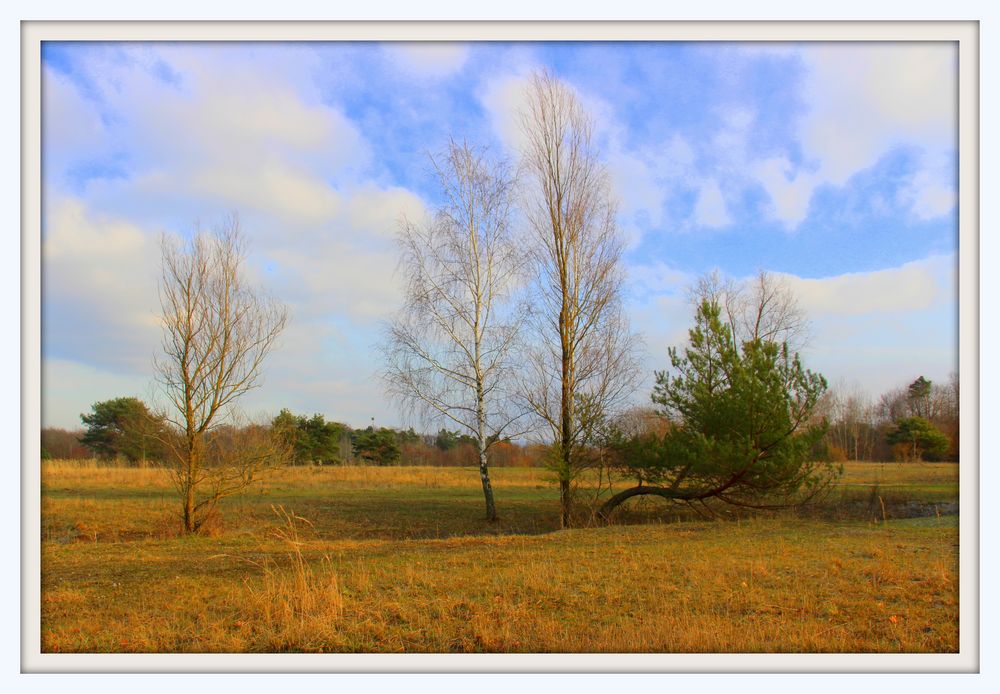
{"x": 292, "y": 605}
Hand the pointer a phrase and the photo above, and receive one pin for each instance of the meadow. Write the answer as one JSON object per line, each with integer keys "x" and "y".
{"x": 400, "y": 559}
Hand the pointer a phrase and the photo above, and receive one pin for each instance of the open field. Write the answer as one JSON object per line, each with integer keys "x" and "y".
{"x": 399, "y": 559}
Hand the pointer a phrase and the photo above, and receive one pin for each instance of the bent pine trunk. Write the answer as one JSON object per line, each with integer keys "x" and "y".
{"x": 611, "y": 504}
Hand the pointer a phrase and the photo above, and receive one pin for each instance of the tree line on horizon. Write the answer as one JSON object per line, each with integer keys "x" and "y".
{"x": 918, "y": 421}
{"x": 125, "y": 431}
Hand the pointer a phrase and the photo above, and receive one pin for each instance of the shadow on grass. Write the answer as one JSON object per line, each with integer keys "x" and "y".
{"x": 386, "y": 515}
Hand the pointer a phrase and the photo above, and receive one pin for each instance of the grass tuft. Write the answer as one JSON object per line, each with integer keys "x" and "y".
{"x": 295, "y": 604}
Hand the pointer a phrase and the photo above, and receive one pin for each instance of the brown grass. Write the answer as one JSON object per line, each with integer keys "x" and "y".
{"x": 90, "y": 473}
{"x": 297, "y": 606}
{"x": 335, "y": 579}
{"x": 84, "y": 474}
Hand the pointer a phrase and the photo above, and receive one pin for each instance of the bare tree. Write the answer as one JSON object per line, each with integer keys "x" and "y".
{"x": 853, "y": 422}
{"x": 449, "y": 353}
{"x": 584, "y": 365}
{"x": 894, "y": 405}
{"x": 217, "y": 331}
{"x": 761, "y": 308}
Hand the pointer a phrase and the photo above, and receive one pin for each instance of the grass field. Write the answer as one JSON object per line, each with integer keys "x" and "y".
{"x": 362, "y": 559}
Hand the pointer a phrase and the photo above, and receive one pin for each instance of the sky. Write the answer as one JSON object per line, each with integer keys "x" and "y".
{"x": 831, "y": 165}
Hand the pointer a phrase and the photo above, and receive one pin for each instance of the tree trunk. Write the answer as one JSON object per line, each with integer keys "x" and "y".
{"x": 566, "y": 420}
{"x": 484, "y": 470}
{"x": 190, "y": 472}
{"x": 189, "y": 526}
{"x": 613, "y": 503}
{"x": 563, "y": 503}
{"x": 484, "y": 475}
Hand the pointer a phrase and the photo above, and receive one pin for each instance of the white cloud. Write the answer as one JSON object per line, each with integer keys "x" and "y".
{"x": 864, "y": 99}
{"x": 319, "y": 367}
{"x": 634, "y": 181}
{"x": 346, "y": 265}
{"x": 645, "y": 180}
{"x": 504, "y": 99}
{"x": 729, "y": 145}
{"x": 377, "y": 211}
{"x": 931, "y": 191}
{"x": 884, "y": 328}
{"x": 710, "y": 210}
{"x": 220, "y": 137}
{"x": 914, "y": 286}
{"x": 931, "y": 197}
{"x": 279, "y": 190}
{"x": 101, "y": 325}
{"x": 663, "y": 322}
{"x": 99, "y": 288}
{"x": 642, "y": 179}
{"x": 881, "y": 328}
{"x": 657, "y": 278}
{"x": 430, "y": 59}
{"x": 236, "y": 132}
{"x": 790, "y": 190}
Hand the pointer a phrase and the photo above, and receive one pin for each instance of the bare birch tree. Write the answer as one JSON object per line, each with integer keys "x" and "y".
{"x": 217, "y": 331}
{"x": 449, "y": 352}
{"x": 584, "y": 365}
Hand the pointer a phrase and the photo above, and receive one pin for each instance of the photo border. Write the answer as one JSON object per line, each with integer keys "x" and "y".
{"x": 965, "y": 33}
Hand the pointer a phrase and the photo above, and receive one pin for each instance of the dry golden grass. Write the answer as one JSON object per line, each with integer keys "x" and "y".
{"x": 296, "y": 605}
{"x": 399, "y": 560}
{"x": 81, "y": 474}
{"x": 84, "y": 474}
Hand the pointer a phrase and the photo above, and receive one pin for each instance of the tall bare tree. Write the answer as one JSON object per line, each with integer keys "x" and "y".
{"x": 449, "y": 352}
{"x": 585, "y": 363}
{"x": 217, "y": 331}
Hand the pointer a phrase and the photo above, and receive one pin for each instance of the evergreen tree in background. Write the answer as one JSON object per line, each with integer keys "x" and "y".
{"x": 123, "y": 427}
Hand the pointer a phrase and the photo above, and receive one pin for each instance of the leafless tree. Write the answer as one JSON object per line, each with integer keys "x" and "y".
{"x": 853, "y": 421}
{"x": 761, "y": 308}
{"x": 217, "y": 331}
{"x": 948, "y": 407}
{"x": 945, "y": 399}
{"x": 894, "y": 405}
{"x": 449, "y": 353}
{"x": 584, "y": 363}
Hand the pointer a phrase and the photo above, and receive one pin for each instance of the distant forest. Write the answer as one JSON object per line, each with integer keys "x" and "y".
{"x": 915, "y": 421}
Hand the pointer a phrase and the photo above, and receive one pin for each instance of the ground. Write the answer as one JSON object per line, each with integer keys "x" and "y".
{"x": 361, "y": 559}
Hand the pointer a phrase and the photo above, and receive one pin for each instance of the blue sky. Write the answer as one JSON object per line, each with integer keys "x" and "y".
{"x": 831, "y": 164}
